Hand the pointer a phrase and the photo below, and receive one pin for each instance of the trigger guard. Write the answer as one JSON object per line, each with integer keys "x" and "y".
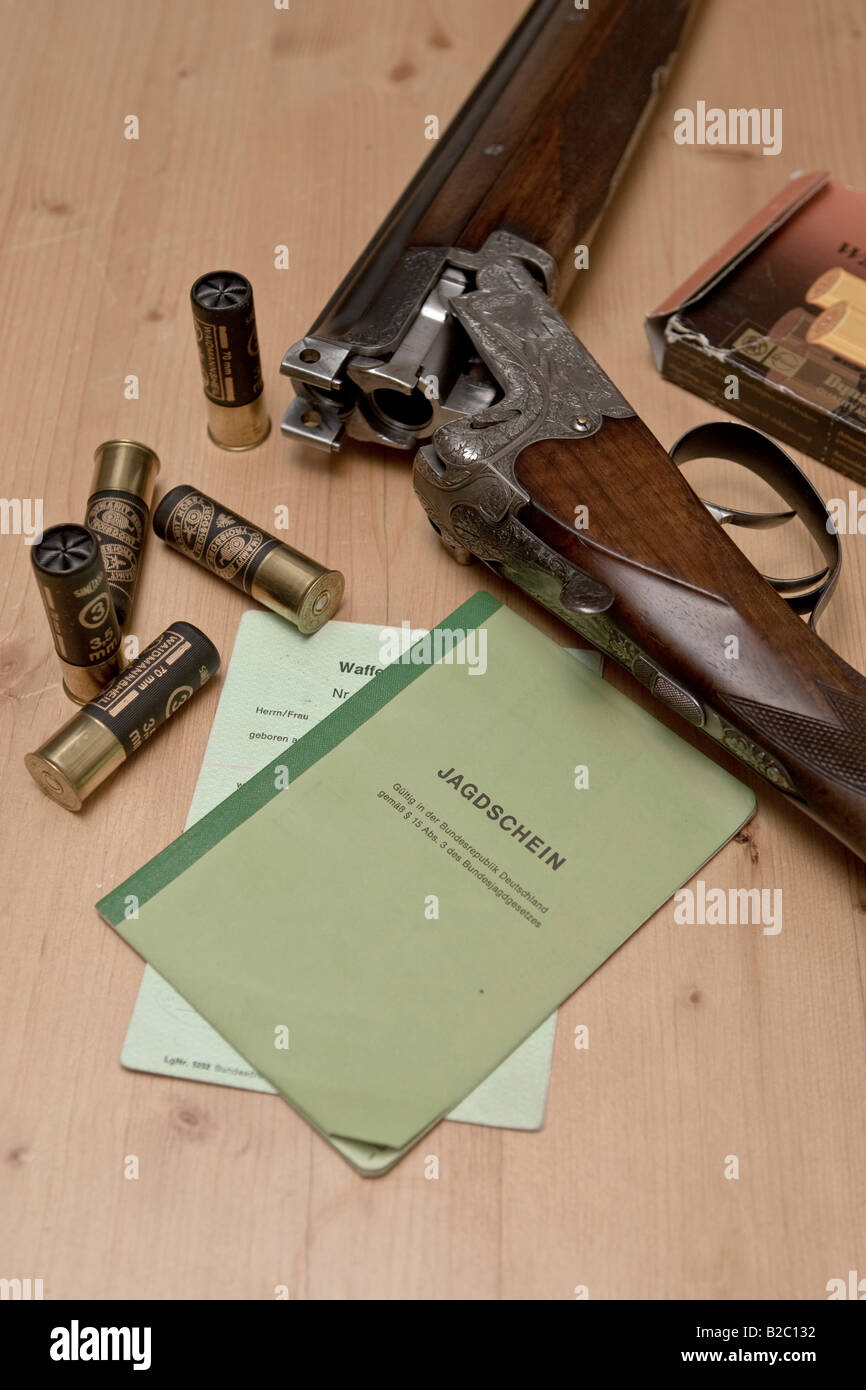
{"x": 748, "y": 447}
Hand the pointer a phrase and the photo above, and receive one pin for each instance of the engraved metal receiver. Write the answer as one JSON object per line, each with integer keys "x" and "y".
{"x": 408, "y": 368}
{"x": 549, "y": 387}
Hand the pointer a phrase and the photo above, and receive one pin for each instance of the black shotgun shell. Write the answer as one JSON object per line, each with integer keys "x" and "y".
{"x": 69, "y": 570}
{"x": 249, "y": 558}
{"x": 99, "y": 738}
{"x": 228, "y": 346}
{"x": 118, "y": 509}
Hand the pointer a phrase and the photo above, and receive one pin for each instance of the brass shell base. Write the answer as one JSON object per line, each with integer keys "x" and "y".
{"x": 75, "y": 761}
{"x": 321, "y": 601}
{"x": 297, "y": 588}
{"x": 124, "y": 465}
{"x": 240, "y": 427}
{"x": 85, "y": 683}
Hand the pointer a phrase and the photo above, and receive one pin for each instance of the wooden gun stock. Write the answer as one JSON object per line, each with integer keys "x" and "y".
{"x": 778, "y": 697}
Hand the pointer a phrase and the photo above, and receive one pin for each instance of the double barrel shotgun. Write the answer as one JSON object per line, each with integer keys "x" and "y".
{"x": 444, "y": 341}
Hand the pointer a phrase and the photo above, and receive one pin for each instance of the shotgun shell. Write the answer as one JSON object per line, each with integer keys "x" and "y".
{"x": 97, "y": 740}
{"x": 793, "y": 324}
{"x": 841, "y": 329}
{"x": 280, "y": 578}
{"x": 228, "y": 347}
{"x": 71, "y": 576}
{"x": 805, "y": 368}
{"x": 118, "y": 510}
{"x": 838, "y": 284}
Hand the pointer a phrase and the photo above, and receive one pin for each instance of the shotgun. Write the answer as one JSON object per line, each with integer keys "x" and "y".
{"x": 444, "y": 340}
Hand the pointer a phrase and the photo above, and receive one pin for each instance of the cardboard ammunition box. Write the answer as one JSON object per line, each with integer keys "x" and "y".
{"x": 772, "y": 328}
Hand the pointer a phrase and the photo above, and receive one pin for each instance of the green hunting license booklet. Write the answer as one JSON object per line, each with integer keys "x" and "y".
{"x": 387, "y": 910}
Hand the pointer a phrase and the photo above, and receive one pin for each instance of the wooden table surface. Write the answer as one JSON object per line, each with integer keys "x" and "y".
{"x": 258, "y": 128}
